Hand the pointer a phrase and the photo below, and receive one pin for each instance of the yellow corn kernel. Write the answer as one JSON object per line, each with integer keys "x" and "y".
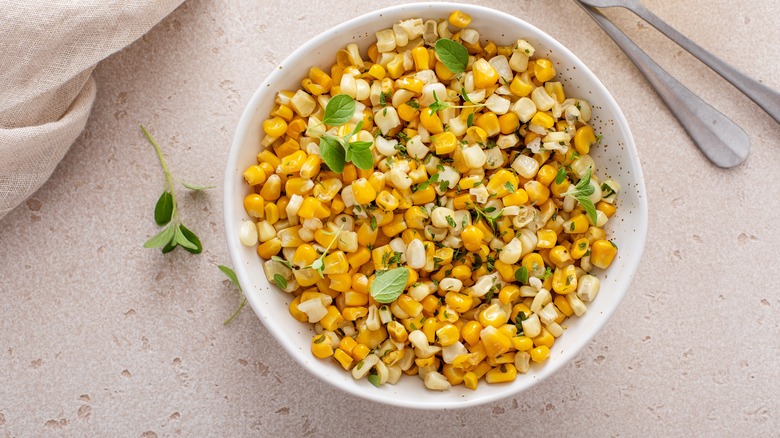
{"x": 534, "y": 263}
{"x": 563, "y": 305}
{"x": 424, "y": 196}
{"x": 546, "y": 238}
{"x": 411, "y": 84}
{"x": 397, "y": 331}
{"x": 421, "y": 58}
{"x": 494, "y": 316}
{"x": 579, "y": 247}
{"x": 395, "y": 227}
{"x": 380, "y": 256}
{"x": 354, "y": 313}
{"x": 576, "y": 225}
{"x": 508, "y": 123}
{"x": 509, "y": 294}
{"x": 544, "y": 70}
{"x": 287, "y": 148}
{"x": 564, "y": 280}
{"x": 430, "y": 304}
{"x": 366, "y": 235}
{"x": 522, "y": 343}
{"x": 448, "y": 334}
{"x": 409, "y": 305}
{"x": 485, "y": 75}
{"x": 518, "y": 198}
{"x": 543, "y": 119}
{"x": 386, "y": 200}
{"x": 555, "y": 89}
{"x": 359, "y": 257}
{"x": 506, "y": 271}
{"x": 461, "y": 272}
{"x": 458, "y": 302}
{"x": 295, "y": 128}
{"x": 343, "y": 358}
{"x": 324, "y": 238}
{"x": 321, "y": 346}
{"x": 396, "y": 66}
{"x": 453, "y": 374}
{"x": 360, "y": 351}
{"x": 311, "y": 166}
{"x": 275, "y": 127}
{"x": 336, "y": 263}
{"x": 377, "y": 71}
{"x": 494, "y": 341}
{"x": 443, "y": 72}
{"x": 602, "y": 253}
{"x": 393, "y": 357}
{"x": 584, "y": 138}
{"x": 284, "y": 112}
{"x": 415, "y": 217}
{"x": 546, "y": 174}
{"x": 470, "y": 380}
{"x": 500, "y": 183}
{"x": 269, "y": 157}
{"x": 290, "y": 237}
{"x": 444, "y": 142}
{"x": 371, "y": 338}
{"x": 489, "y": 122}
{"x": 537, "y": 192}
{"x": 471, "y": 332}
{"x": 254, "y": 175}
{"x": 431, "y": 122}
{"x": 271, "y": 213}
{"x": 560, "y": 256}
{"x": 332, "y": 320}
{"x": 459, "y": 19}
{"x": 347, "y": 344}
{"x": 309, "y": 207}
{"x": 295, "y": 312}
{"x": 293, "y": 162}
{"x": 502, "y": 374}
{"x": 540, "y": 353}
{"x": 406, "y": 112}
{"x": 349, "y": 175}
{"x": 304, "y": 255}
{"x": 363, "y": 191}
{"x": 298, "y": 186}
{"x": 519, "y": 87}
{"x": 559, "y": 189}
{"x": 606, "y": 208}
{"x": 254, "y": 205}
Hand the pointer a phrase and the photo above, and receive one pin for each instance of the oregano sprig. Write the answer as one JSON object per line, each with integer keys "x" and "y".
{"x": 581, "y": 192}
{"x": 231, "y": 275}
{"x": 452, "y": 54}
{"x": 439, "y": 105}
{"x": 166, "y": 213}
{"x": 337, "y": 151}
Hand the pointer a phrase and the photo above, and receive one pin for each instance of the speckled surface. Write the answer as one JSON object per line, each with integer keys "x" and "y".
{"x": 99, "y": 336}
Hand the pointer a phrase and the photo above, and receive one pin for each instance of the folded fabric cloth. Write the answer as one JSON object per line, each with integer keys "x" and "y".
{"x": 48, "y": 49}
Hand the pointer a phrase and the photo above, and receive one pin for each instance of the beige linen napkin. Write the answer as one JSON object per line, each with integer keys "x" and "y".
{"x": 48, "y": 49}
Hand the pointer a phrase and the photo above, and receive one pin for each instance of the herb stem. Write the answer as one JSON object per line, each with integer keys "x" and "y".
{"x": 168, "y": 178}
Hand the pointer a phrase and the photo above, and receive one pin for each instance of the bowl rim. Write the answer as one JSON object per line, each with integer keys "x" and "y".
{"x": 231, "y": 218}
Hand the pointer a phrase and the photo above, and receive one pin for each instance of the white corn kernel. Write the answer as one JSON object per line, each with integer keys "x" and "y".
{"x": 470, "y": 36}
{"x": 418, "y": 339}
{"x": 474, "y": 157}
{"x": 494, "y": 158}
{"x": 292, "y": 208}
{"x": 525, "y": 166}
{"x": 450, "y": 352}
{"x": 524, "y": 108}
{"x": 531, "y": 326}
{"x": 576, "y": 304}
{"x": 484, "y": 284}
{"x": 439, "y": 217}
{"x": 588, "y": 287}
{"x": 518, "y": 62}
{"x": 436, "y": 381}
{"x": 542, "y": 100}
{"x": 364, "y": 366}
{"x": 372, "y": 319}
{"x": 313, "y": 309}
{"x": 428, "y": 91}
{"x": 348, "y": 241}
{"x": 415, "y": 254}
{"x": 540, "y": 300}
{"x": 419, "y": 292}
{"x": 247, "y": 234}
{"x": 511, "y": 252}
{"x": 387, "y": 119}
{"x": 399, "y": 178}
{"x": 501, "y": 64}
{"x": 548, "y": 313}
{"x": 386, "y": 147}
{"x": 497, "y": 104}
{"x": 303, "y": 103}
{"x": 450, "y": 285}
{"x": 265, "y": 231}
{"x": 554, "y": 328}
{"x": 522, "y": 362}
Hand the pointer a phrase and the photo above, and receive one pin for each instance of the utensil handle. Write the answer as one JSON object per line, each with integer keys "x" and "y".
{"x": 717, "y": 136}
{"x": 767, "y": 98}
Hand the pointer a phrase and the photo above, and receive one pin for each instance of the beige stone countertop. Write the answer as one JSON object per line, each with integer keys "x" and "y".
{"x": 101, "y": 337}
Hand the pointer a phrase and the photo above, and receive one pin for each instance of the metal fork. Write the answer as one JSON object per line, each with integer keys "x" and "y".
{"x": 765, "y": 97}
{"x": 718, "y": 137}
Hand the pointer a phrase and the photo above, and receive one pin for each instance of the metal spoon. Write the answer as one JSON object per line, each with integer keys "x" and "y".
{"x": 718, "y": 137}
{"x": 767, "y": 98}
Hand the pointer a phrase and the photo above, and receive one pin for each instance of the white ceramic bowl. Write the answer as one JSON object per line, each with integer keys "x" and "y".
{"x": 615, "y": 158}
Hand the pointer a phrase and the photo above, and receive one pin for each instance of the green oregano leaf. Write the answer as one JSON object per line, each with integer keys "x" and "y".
{"x": 182, "y": 240}
{"x": 363, "y": 159}
{"x": 374, "y": 380}
{"x": 162, "y": 238}
{"x": 339, "y": 110}
{"x": 280, "y": 281}
{"x": 332, "y": 153}
{"x": 521, "y": 275}
{"x": 191, "y": 237}
{"x": 388, "y": 285}
{"x": 453, "y": 55}
{"x": 560, "y": 176}
{"x": 163, "y": 210}
{"x": 195, "y": 187}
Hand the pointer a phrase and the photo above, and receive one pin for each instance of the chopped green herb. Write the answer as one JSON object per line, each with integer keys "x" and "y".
{"x": 521, "y": 275}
